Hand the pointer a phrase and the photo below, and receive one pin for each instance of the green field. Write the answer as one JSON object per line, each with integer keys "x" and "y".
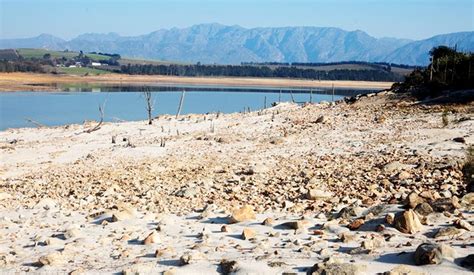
{"x": 82, "y": 71}
{"x": 136, "y": 61}
{"x": 39, "y": 53}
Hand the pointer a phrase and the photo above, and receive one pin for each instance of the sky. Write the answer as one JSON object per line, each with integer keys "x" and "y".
{"x": 412, "y": 19}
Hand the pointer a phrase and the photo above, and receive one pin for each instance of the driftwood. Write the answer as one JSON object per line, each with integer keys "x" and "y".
{"x": 292, "y": 98}
{"x": 97, "y": 127}
{"x": 39, "y": 125}
{"x": 181, "y": 101}
{"x": 149, "y": 106}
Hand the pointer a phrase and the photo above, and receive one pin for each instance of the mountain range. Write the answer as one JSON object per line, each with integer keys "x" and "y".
{"x": 215, "y": 43}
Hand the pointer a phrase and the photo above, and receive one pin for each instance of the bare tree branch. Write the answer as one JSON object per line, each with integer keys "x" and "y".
{"x": 181, "y": 101}
{"x": 97, "y": 127}
{"x": 39, "y": 125}
{"x": 149, "y": 106}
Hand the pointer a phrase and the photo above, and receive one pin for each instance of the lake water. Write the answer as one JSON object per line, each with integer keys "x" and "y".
{"x": 60, "y": 108}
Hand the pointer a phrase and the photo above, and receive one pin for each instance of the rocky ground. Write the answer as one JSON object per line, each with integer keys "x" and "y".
{"x": 363, "y": 188}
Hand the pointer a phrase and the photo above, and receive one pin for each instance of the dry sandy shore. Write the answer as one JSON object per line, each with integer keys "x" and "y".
{"x": 48, "y": 82}
{"x": 325, "y": 178}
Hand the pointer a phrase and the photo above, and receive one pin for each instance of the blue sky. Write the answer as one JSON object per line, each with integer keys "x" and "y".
{"x": 413, "y": 19}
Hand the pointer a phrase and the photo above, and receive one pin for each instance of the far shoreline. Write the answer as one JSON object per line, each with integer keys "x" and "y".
{"x": 14, "y": 82}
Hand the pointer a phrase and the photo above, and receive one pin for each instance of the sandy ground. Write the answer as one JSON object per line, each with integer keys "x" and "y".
{"x": 45, "y": 82}
{"x": 75, "y": 201}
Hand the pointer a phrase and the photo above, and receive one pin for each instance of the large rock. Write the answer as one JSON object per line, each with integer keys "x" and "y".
{"x": 427, "y": 253}
{"x": 424, "y": 209}
{"x": 53, "y": 259}
{"x": 407, "y": 222}
{"x": 412, "y": 200}
{"x": 448, "y": 232}
{"x": 301, "y": 224}
{"x": 446, "y": 204}
{"x": 403, "y": 270}
{"x": 468, "y": 200}
{"x": 152, "y": 238}
{"x": 228, "y": 267}
{"x": 350, "y": 212}
{"x": 317, "y": 194}
{"x": 191, "y": 257}
{"x": 337, "y": 268}
{"x": 248, "y": 234}
{"x": 245, "y": 213}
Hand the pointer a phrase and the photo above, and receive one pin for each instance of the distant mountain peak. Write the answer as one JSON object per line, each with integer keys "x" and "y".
{"x": 217, "y": 43}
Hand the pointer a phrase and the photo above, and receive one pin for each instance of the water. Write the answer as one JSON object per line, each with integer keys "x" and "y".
{"x": 60, "y": 108}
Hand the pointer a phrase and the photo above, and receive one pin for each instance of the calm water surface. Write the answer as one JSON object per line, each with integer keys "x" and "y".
{"x": 60, "y": 108}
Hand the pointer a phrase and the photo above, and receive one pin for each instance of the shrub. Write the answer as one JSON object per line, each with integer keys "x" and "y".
{"x": 468, "y": 170}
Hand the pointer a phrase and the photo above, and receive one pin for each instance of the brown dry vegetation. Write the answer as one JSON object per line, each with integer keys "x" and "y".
{"x": 47, "y": 82}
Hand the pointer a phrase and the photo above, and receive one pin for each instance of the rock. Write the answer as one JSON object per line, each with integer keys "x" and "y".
{"x": 225, "y": 228}
{"x": 463, "y": 224}
{"x": 350, "y": 212}
{"x": 72, "y": 233}
{"x": 248, "y": 234}
{"x": 380, "y": 228}
{"x": 122, "y": 215}
{"x": 320, "y": 119}
{"x": 317, "y": 194}
{"x": 337, "y": 268}
{"x": 347, "y": 237}
{"x": 468, "y": 262}
{"x": 423, "y": 209}
{"x": 78, "y": 271}
{"x": 356, "y": 224}
{"x": 468, "y": 199}
{"x": 404, "y": 175}
{"x": 53, "y": 259}
{"x": 245, "y": 213}
{"x": 412, "y": 200}
{"x": 208, "y": 211}
{"x": 373, "y": 241}
{"x": 395, "y": 166}
{"x": 390, "y": 218}
{"x": 427, "y": 253}
{"x": 429, "y": 195}
{"x": 459, "y": 139}
{"x": 288, "y": 204}
{"x": 54, "y": 242}
{"x": 164, "y": 251}
{"x": 228, "y": 267}
{"x": 301, "y": 224}
{"x": 46, "y": 204}
{"x": 140, "y": 268}
{"x": 191, "y": 257}
{"x": 152, "y": 238}
{"x": 407, "y": 222}
{"x": 268, "y": 222}
{"x": 403, "y": 270}
{"x": 447, "y": 232}
{"x": 446, "y": 204}
{"x": 5, "y": 196}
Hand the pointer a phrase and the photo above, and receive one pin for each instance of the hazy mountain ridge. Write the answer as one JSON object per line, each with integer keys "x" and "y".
{"x": 215, "y": 43}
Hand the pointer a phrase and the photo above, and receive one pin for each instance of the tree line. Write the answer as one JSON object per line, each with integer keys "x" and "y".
{"x": 20, "y": 66}
{"x": 259, "y": 71}
{"x": 448, "y": 70}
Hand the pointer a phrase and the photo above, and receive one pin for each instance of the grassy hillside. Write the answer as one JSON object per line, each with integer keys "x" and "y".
{"x": 39, "y": 53}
